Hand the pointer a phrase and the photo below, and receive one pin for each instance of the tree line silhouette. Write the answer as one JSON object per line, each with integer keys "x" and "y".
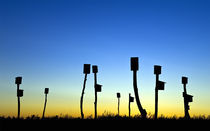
{"x": 134, "y": 61}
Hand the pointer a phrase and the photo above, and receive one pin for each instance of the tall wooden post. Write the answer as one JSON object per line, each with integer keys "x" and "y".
{"x": 134, "y": 68}
{"x": 95, "y": 71}
{"x": 97, "y": 87}
{"x": 157, "y": 71}
{"x": 45, "y": 103}
{"x": 86, "y": 70}
{"x": 118, "y": 109}
{"x": 18, "y": 102}
{"x": 18, "y": 81}
{"x": 158, "y": 86}
{"x": 131, "y": 99}
{"x": 187, "y": 98}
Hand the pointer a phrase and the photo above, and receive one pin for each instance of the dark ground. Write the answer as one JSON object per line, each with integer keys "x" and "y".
{"x": 103, "y": 123}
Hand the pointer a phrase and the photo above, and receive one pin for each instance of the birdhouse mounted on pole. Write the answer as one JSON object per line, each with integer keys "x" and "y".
{"x": 46, "y": 90}
{"x": 18, "y": 80}
{"x": 161, "y": 85}
{"x": 188, "y": 98}
{"x": 134, "y": 63}
{"x": 86, "y": 69}
{"x": 98, "y": 88}
{"x": 131, "y": 99}
{"x": 157, "y": 69}
{"x": 20, "y": 93}
{"x": 118, "y": 95}
{"x": 95, "y": 69}
{"x": 184, "y": 80}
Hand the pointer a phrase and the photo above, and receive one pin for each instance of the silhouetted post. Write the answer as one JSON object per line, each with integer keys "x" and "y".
{"x": 18, "y": 81}
{"x": 187, "y": 98}
{"x": 96, "y": 86}
{"x": 46, "y": 91}
{"x": 158, "y": 86}
{"x": 86, "y": 70}
{"x": 118, "y": 109}
{"x": 134, "y": 68}
{"x": 131, "y": 99}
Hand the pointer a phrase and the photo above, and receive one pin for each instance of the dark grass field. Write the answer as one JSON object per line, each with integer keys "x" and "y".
{"x": 103, "y": 123}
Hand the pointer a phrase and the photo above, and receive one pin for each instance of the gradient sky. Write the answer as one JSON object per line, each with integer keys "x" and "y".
{"x": 48, "y": 41}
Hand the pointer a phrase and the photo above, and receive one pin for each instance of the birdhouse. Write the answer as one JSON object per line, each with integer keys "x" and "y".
{"x": 134, "y": 63}
{"x": 184, "y": 80}
{"x": 118, "y": 95}
{"x": 18, "y": 80}
{"x": 46, "y": 90}
{"x": 98, "y": 88}
{"x": 160, "y": 85}
{"x": 86, "y": 69}
{"x": 157, "y": 69}
{"x": 20, "y": 93}
{"x": 189, "y": 98}
{"x": 95, "y": 69}
{"x": 131, "y": 99}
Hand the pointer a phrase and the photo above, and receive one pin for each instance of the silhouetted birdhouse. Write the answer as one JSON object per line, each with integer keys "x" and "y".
{"x": 46, "y": 91}
{"x": 18, "y": 80}
{"x": 131, "y": 99}
{"x": 134, "y": 63}
{"x": 86, "y": 69}
{"x": 157, "y": 69}
{"x": 95, "y": 69}
{"x": 189, "y": 98}
{"x": 118, "y": 95}
{"x": 20, "y": 93}
{"x": 98, "y": 88}
{"x": 184, "y": 80}
{"x": 160, "y": 85}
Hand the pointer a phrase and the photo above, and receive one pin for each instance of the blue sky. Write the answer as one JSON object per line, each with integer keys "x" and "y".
{"x": 47, "y": 42}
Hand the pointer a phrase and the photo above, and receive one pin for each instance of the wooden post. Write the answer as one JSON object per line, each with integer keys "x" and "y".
{"x": 18, "y": 102}
{"x": 118, "y": 109}
{"x": 131, "y": 99}
{"x": 118, "y": 106}
{"x": 95, "y": 103}
{"x": 95, "y": 71}
{"x": 134, "y": 68}
{"x": 45, "y": 103}
{"x": 158, "y": 86}
{"x": 129, "y": 105}
{"x": 86, "y": 70}
{"x": 186, "y": 106}
{"x": 187, "y": 98}
{"x": 18, "y": 81}
{"x": 156, "y": 97}
{"x": 81, "y": 100}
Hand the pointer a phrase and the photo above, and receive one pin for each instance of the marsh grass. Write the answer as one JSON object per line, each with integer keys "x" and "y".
{"x": 106, "y": 121}
{"x": 106, "y": 116}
